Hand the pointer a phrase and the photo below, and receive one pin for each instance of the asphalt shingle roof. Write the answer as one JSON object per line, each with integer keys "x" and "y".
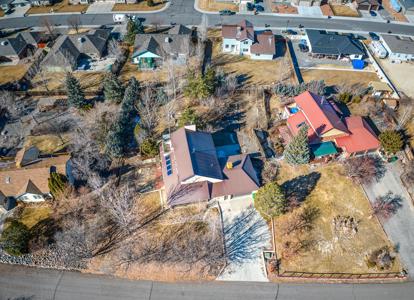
{"x": 162, "y": 44}
{"x": 12, "y": 46}
{"x": 403, "y": 45}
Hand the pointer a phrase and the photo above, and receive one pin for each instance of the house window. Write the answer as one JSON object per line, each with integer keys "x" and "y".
{"x": 300, "y": 124}
{"x": 245, "y": 50}
{"x": 226, "y": 46}
{"x": 257, "y": 54}
{"x": 246, "y": 43}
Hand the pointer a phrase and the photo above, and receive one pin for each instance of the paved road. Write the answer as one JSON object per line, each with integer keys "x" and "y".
{"x": 18, "y": 282}
{"x": 400, "y": 227}
{"x": 183, "y": 12}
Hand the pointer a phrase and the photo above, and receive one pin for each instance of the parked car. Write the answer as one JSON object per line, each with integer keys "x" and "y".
{"x": 372, "y": 13}
{"x": 259, "y": 8}
{"x": 226, "y": 12}
{"x": 250, "y": 6}
{"x": 373, "y": 36}
{"x": 303, "y": 48}
{"x": 289, "y": 31}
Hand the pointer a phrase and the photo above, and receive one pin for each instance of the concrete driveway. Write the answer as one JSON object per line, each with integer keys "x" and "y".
{"x": 246, "y": 234}
{"x": 100, "y": 7}
{"x": 400, "y": 227}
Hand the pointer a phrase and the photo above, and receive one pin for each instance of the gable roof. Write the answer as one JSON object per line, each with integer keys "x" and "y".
{"x": 32, "y": 37}
{"x": 12, "y": 46}
{"x": 179, "y": 29}
{"x": 63, "y": 48}
{"x": 265, "y": 44}
{"x": 31, "y": 178}
{"x": 91, "y": 42}
{"x": 161, "y": 44}
{"x": 362, "y": 137}
{"x": 329, "y": 43}
{"x": 319, "y": 114}
{"x": 242, "y": 31}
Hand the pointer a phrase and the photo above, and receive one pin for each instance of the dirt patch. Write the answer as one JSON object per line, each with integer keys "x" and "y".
{"x": 397, "y": 16}
{"x": 49, "y": 143}
{"x": 60, "y": 7}
{"x": 333, "y": 194}
{"x": 333, "y": 77}
{"x": 10, "y": 74}
{"x": 399, "y": 73}
{"x": 140, "y": 6}
{"x": 344, "y": 11}
{"x": 284, "y": 9}
{"x": 211, "y": 5}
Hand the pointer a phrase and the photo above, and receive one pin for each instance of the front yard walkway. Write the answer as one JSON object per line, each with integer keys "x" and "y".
{"x": 400, "y": 227}
{"x": 246, "y": 234}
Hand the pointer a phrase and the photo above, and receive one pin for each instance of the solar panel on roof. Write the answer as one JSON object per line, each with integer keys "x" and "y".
{"x": 169, "y": 172}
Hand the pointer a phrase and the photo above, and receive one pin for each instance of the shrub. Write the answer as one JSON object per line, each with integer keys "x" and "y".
{"x": 391, "y": 141}
{"x": 57, "y": 183}
{"x": 270, "y": 200}
{"x": 345, "y": 98}
{"x": 189, "y": 117}
{"x": 149, "y": 147}
{"x": 150, "y": 3}
{"x": 382, "y": 258}
{"x": 15, "y": 238}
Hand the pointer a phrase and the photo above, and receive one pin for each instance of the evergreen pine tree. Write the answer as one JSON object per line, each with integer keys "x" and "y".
{"x": 133, "y": 28}
{"x": 113, "y": 89}
{"x": 115, "y": 143}
{"x": 297, "y": 151}
{"x": 76, "y": 97}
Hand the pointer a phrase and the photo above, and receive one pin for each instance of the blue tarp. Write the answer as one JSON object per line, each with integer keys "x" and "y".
{"x": 358, "y": 64}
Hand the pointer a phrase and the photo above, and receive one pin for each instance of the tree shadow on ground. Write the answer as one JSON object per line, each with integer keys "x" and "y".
{"x": 393, "y": 201}
{"x": 380, "y": 168}
{"x": 300, "y": 187}
{"x": 244, "y": 235}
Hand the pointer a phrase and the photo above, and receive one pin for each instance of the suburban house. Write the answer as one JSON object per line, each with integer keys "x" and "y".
{"x": 241, "y": 39}
{"x": 36, "y": 39}
{"x": 400, "y": 49}
{"x": 68, "y": 49}
{"x": 329, "y": 132}
{"x": 333, "y": 45}
{"x": 199, "y": 166}
{"x": 367, "y": 4}
{"x": 13, "y": 49}
{"x": 6, "y": 5}
{"x": 151, "y": 50}
{"x": 27, "y": 179}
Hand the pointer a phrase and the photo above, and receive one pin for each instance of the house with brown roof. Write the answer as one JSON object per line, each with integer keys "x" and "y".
{"x": 27, "y": 179}
{"x": 197, "y": 167}
{"x": 329, "y": 133}
{"x": 241, "y": 39}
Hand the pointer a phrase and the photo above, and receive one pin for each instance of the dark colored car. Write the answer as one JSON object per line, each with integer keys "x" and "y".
{"x": 250, "y": 6}
{"x": 372, "y": 13}
{"x": 259, "y": 8}
{"x": 226, "y": 12}
{"x": 303, "y": 48}
{"x": 373, "y": 36}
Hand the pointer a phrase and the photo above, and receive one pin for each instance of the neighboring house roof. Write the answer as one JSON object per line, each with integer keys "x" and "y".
{"x": 63, "y": 53}
{"x": 399, "y": 44}
{"x": 6, "y": 2}
{"x": 179, "y": 29}
{"x": 362, "y": 137}
{"x": 242, "y": 31}
{"x": 32, "y": 37}
{"x": 194, "y": 155}
{"x": 91, "y": 42}
{"x": 12, "y": 46}
{"x": 265, "y": 44}
{"x": 26, "y": 156}
{"x": 318, "y": 114}
{"x": 31, "y": 178}
{"x": 329, "y": 43}
{"x": 162, "y": 45}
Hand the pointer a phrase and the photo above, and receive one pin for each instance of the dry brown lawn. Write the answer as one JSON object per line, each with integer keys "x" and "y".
{"x": 12, "y": 73}
{"x": 49, "y": 143}
{"x": 33, "y": 214}
{"x": 344, "y": 11}
{"x": 90, "y": 81}
{"x": 140, "y": 6}
{"x": 60, "y": 7}
{"x": 252, "y": 71}
{"x": 211, "y": 5}
{"x": 333, "y": 77}
{"x": 335, "y": 194}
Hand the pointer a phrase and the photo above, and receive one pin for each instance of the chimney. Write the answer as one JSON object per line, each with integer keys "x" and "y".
{"x": 229, "y": 165}
{"x": 167, "y": 40}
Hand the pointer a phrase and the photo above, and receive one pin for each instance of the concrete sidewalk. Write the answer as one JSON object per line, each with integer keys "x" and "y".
{"x": 400, "y": 227}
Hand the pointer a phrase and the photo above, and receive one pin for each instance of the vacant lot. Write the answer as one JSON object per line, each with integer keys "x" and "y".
{"x": 12, "y": 73}
{"x": 140, "y": 6}
{"x": 333, "y": 77}
{"x": 400, "y": 75}
{"x": 211, "y": 5}
{"x": 252, "y": 71}
{"x": 62, "y": 6}
{"x": 90, "y": 81}
{"x": 344, "y": 11}
{"x": 332, "y": 194}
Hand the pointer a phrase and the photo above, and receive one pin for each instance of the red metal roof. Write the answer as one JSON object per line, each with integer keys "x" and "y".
{"x": 362, "y": 137}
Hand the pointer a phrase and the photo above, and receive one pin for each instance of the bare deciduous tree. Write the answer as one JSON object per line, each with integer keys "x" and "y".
{"x": 9, "y": 103}
{"x": 148, "y": 110}
{"x": 115, "y": 49}
{"x": 270, "y": 170}
{"x": 361, "y": 169}
{"x": 50, "y": 28}
{"x": 386, "y": 206}
{"x": 74, "y": 22}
